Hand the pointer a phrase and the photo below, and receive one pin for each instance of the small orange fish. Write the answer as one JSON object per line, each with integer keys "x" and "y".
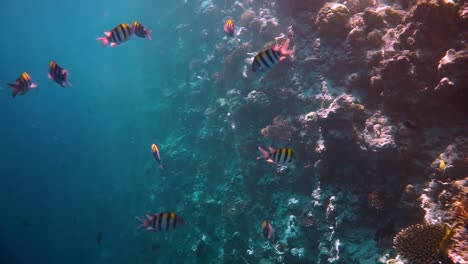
{"x": 267, "y": 230}
{"x": 229, "y": 27}
{"x": 156, "y": 154}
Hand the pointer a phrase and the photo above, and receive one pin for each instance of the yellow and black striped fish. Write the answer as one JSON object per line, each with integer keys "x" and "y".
{"x": 161, "y": 222}
{"x": 119, "y": 34}
{"x": 281, "y": 156}
{"x": 23, "y": 85}
{"x": 58, "y": 74}
{"x": 141, "y": 31}
{"x": 270, "y": 57}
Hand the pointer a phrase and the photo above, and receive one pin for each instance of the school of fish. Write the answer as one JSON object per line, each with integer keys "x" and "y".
{"x": 266, "y": 59}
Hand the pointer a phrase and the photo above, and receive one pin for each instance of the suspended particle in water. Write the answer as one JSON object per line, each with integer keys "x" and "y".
{"x": 281, "y": 169}
{"x": 99, "y": 238}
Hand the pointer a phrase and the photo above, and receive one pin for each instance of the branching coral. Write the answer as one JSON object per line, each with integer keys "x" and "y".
{"x": 423, "y": 243}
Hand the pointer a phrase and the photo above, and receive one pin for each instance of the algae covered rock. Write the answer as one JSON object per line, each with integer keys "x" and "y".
{"x": 437, "y": 21}
{"x": 332, "y": 20}
{"x": 373, "y": 19}
{"x": 453, "y": 66}
{"x": 257, "y": 99}
{"x": 356, "y": 6}
{"x": 437, "y": 16}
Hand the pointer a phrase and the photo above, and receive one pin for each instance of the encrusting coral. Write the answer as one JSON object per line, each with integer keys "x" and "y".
{"x": 459, "y": 250}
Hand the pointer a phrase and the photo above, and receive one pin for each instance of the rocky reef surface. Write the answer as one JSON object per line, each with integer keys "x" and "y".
{"x": 374, "y": 103}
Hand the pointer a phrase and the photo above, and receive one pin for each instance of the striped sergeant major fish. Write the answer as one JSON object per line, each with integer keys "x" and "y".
{"x": 141, "y": 31}
{"x": 270, "y": 57}
{"x": 161, "y": 222}
{"x": 58, "y": 74}
{"x": 281, "y": 157}
{"x": 117, "y": 35}
{"x": 23, "y": 85}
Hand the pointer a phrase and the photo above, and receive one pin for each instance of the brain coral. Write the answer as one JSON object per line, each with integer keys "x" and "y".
{"x": 332, "y": 20}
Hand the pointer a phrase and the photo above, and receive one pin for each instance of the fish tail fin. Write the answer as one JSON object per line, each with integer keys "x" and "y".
{"x": 143, "y": 223}
{"x": 161, "y": 166}
{"x": 265, "y": 153}
{"x": 65, "y": 75}
{"x": 284, "y": 49}
{"x": 105, "y": 41}
{"x": 148, "y": 34}
{"x": 15, "y": 89}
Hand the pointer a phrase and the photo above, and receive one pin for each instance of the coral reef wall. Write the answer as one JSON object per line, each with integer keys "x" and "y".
{"x": 373, "y": 102}
{"x": 374, "y": 99}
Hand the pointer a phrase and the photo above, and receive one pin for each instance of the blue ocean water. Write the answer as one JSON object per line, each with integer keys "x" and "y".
{"x": 76, "y": 164}
{"x": 72, "y": 158}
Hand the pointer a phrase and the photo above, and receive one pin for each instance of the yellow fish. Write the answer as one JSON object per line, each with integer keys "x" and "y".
{"x": 442, "y": 165}
{"x": 445, "y": 242}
